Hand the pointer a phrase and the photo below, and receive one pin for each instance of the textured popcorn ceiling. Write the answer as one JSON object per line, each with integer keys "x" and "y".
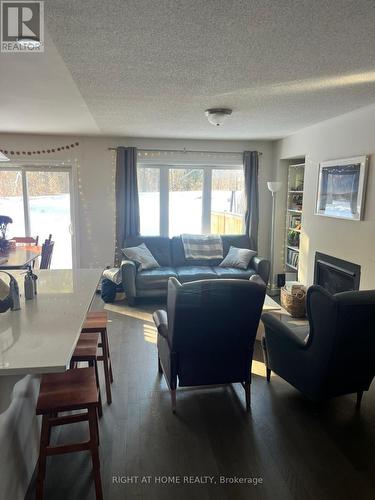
{"x": 151, "y": 67}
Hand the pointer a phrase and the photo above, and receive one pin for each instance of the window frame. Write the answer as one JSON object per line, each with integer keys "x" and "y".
{"x": 206, "y": 190}
{"x": 71, "y": 168}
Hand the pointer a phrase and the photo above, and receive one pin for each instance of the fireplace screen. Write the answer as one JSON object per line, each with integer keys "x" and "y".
{"x": 336, "y": 275}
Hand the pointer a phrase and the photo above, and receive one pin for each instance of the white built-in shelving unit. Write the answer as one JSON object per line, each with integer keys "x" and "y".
{"x": 296, "y": 175}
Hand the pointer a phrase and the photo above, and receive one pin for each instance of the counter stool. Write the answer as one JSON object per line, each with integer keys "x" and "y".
{"x": 96, "y": 321}
{"x": 65, "y": 392}
{"x": 86, "y": 350}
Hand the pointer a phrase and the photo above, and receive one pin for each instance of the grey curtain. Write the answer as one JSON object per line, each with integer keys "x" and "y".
{"x": 127, "y": 201}
{"x": 251, "y": 167}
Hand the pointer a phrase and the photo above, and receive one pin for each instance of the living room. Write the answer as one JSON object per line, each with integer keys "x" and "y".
{"x": 248, "y": 130}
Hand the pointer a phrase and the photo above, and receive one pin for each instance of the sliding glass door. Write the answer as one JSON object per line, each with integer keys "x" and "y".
{"x": 39, "y": 200}
{"x": 11, "y": 200}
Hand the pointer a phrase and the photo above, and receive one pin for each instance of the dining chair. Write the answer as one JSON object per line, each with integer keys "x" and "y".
{"x": 47, "y": 249}
{"x": 26, "y": 240}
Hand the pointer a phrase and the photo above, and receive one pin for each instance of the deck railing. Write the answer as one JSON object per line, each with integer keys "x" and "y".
{"x": 226, "y": 223}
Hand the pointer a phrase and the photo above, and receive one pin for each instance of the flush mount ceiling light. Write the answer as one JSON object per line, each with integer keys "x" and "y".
{"x": 217, "y": 116}
{"x": 3, "y": 157}
{"x": 29, "y": 42}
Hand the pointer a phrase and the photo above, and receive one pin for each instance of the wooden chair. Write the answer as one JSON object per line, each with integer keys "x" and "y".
{"x": 47, "y": 249}
{"x": 86, "y": 351}
{"x": 26, "y": 240}
{"x": 96, "y": 321}
{"x": 66, "y": 392}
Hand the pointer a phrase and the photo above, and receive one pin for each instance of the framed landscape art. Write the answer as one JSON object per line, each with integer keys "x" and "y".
{"x": 341, "y": 188}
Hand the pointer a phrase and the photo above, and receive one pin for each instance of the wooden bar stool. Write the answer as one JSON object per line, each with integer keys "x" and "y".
{"x": 65, "y": 392}
{"x": 96, "y": 321}
{"x": 86, "y": 350}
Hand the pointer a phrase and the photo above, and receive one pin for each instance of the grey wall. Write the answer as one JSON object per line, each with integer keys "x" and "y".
{"x": 345, "y": 136}
{"x": 95, "y": 168}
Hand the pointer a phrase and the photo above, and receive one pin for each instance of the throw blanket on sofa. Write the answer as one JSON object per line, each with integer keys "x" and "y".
{"x": 202, "y": 246}
{"x": 114, "y": 274}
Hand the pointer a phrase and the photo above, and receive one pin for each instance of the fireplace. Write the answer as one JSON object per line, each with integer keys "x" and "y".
{"x": 336, "y": 275}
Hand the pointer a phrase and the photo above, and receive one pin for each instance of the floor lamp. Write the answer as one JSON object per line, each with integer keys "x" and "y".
{"x": 274, "y": 187}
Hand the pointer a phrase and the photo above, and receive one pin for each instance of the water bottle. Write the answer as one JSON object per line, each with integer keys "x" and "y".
{"x": 35, "y": 277}
{"x": 14, "y": 293}
{"x": 29, "y": 285}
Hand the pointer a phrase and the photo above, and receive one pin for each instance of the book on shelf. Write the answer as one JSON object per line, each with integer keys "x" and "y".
{"x": 292, "y": 257}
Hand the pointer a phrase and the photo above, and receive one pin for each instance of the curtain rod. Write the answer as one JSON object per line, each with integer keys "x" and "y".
{"x": 188, "y": 151}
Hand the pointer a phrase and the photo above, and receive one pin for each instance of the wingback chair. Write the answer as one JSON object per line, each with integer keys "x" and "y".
{"x": 207, "y": 335}
{"x": 337, "y": 355}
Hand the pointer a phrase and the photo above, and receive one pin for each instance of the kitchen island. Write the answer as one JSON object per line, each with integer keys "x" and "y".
{"x": 39, "y": 338}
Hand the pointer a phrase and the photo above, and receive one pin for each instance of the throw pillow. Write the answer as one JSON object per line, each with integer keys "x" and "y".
{"x": 142, "y": 256}
{"x": 238, "y": 257}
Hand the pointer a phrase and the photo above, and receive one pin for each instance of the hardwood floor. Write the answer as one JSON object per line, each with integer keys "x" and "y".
{"x": 300, "y": 450}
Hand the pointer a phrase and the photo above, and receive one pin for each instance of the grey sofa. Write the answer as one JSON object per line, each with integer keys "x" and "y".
{"x": 169, "y": 253}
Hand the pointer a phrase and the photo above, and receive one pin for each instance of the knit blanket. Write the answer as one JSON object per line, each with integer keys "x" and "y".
{"x": 202, "y": 246}
{"x": 114, "y": 274}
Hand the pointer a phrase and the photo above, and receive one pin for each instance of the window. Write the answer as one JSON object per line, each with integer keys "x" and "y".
{"x": 191, "y": 199}
{"x": 149, "y": 200}
{"x": 227, "y": 201}
{"x": 185, "y": 200}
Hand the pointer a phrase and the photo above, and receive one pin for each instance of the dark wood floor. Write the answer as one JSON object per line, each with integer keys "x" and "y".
{"x": 300, "y": 450}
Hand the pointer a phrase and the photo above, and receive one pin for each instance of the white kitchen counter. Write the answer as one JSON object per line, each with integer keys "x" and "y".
{"x": 37, "y": 339}
{"x": 41, "y": 336}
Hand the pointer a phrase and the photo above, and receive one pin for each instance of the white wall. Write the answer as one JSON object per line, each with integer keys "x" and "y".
{"x": 95, "y": 166}
{"x": 351, "y": 134}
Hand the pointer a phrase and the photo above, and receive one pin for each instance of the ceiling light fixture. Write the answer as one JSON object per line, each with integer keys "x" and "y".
{"x": 29, "y": 42}
{"x": 217, "y": 116}
{"x": 3, "y": 157}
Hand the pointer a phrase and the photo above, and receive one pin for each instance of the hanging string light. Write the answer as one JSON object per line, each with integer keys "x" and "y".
{"x": 42, "y": 151}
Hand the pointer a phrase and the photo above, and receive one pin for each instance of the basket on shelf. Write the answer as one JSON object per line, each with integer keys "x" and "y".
{"x": 294, "y": 302}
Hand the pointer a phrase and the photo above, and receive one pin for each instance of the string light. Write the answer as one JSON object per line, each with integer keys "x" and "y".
{"x": 48, "y": 150}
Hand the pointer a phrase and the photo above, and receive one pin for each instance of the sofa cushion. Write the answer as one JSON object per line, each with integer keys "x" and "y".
{"x": 142, "y": 256}
{"x": 178, "y": 254}
{"x": 234, "y": 273}
{"x": 159, "y": 246}
{"x": 235, "y": 240}
{"x": 238, "y": 258}
{"x": 195, "y": 273}
{"x": 154, "y": 278}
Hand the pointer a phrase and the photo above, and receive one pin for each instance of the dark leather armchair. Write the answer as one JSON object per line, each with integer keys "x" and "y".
{"x": 337, "y": 355}
{"x": 207, "y": 335}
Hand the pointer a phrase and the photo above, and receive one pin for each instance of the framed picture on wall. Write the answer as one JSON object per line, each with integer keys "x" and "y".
{"x": 341, "y": 188}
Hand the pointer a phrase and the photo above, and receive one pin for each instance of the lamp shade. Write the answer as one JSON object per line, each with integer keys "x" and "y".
{"x": 274, "y": 186}
{"x": 3, "y": 157}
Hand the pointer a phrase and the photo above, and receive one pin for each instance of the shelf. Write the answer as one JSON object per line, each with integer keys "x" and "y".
{"x": 294, "y": 210}
{"x": 292, "y": 267}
